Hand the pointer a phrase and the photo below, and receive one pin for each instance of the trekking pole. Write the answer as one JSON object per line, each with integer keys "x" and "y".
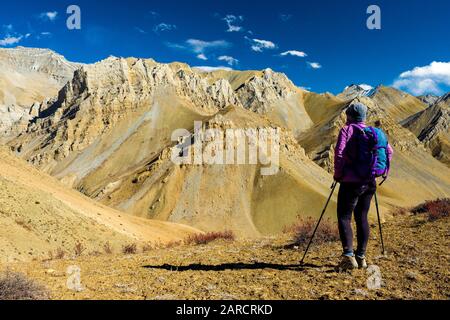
{"x": 333, "y": 186}
{"x": 379, "y": 223}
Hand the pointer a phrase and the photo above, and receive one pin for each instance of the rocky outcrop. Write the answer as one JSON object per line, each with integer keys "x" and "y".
{"x": 42, "y": 61}
{"x": 102, "y": 95}
{"x": 274, "y": 95}
{"x": 259, "y": 93}
{"x": 28, "y": 79}
{"x": 431, "y": 126}
{"x": 428, "y": 99}
{"x": 398, "y": 104}
{"x": 354, "y": 91}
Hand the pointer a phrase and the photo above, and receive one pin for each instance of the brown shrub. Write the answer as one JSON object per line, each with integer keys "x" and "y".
{"x": 204, "y": 238}
{"x": 129, "y": 249}
{"x": 16, "y": 286}
{"x": 399, "y": 211}
{"x": 303, "y": 229}
{"x": 79, "y": 249}
{"x": 107, "y": 248}
{"x": 147, "y": 247}
{"x": 60, "y": 254}
{"x": 23, "y": 224}
{"x": 172, "y": 244}
{"x": 436, "y": 209}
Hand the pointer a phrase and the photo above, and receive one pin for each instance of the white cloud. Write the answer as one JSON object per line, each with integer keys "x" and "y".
{"x": 418, "y": 86}
{"x": 176, "y": 46}
{"x": 230, "y": 60}
{"x": 164, "y": 27}
{"x": 259, "y": 45}
{"x": 140, "y": 30}
{"x": 9, "y": 40}
{"x": 232, "y": 22}
{"x": 43, "y": 35}
{"x": 315, "y": 65}
{"x": 426, "y": 79}
{"x": 200, "y": 46}
{"x": 294, "y": 53}
{"x": 51, "y": 15}
{"x": 211, "y": 69}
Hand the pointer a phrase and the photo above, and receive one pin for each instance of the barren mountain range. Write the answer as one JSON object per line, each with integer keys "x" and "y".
{"x": 105, "y": 129}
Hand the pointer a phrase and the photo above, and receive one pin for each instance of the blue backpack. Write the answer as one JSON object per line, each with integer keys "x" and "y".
{"x": 369, "y": 151}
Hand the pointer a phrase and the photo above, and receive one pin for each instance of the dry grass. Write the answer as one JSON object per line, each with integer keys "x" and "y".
{"x": 50, "y": 256}
{"x": 400, "y": 211}
{"x": 129, "y": 249}
{"x": 172, "y": 244}
{"x": 204, "y": 238}
{"x": 303, "y": 229}
{"x": 79, "y": 249}
{"x": 147, "y": 247}
{"x": 60, "y": 254}
{"x": 436, "y": 209}
{"x": 16, "y": 286}
{"x": 23, "y": 224}
{"x": 107, "y": 248}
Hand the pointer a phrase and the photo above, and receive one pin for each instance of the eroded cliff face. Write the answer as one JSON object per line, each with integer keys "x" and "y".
{"x": 274, "y": 95}
{"x": 102, "y": 95}
{"x": 431, "y": 126}
{"x": 29, "y": 78}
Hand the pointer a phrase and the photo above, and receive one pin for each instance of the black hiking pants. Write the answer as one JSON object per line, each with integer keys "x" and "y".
{"x": 354, "y": 198}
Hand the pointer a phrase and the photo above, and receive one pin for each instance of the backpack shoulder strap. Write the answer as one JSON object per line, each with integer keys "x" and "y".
{"x": 374, "y": 134}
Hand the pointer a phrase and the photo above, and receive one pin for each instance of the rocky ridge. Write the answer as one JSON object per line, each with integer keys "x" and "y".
{"x": 29, "y": 79}
{"x": 431, "y": 127}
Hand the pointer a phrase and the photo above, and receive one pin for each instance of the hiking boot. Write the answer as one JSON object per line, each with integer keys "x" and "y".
{"x": 347, "y": 263}
{"x": 362, "y": 263}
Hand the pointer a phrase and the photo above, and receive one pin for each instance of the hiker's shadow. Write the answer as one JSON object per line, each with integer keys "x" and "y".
{"x": 238, "y": 266}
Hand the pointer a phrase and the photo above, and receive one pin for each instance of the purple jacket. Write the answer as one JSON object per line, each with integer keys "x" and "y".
{"x": 341, "y": 158}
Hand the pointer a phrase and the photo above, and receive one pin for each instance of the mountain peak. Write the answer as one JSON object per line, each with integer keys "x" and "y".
{"x": 428, "y": 99}
{"x": 357, "y": 90}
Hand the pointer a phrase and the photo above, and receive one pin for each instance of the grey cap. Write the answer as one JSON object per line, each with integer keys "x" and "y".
{"x": 357, "y": 112}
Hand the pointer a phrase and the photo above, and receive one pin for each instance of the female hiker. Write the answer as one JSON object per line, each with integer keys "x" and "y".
{"x": 356, "y": 187}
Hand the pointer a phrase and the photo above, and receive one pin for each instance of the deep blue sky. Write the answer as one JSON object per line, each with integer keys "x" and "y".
{"x": 332, "y": 33}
